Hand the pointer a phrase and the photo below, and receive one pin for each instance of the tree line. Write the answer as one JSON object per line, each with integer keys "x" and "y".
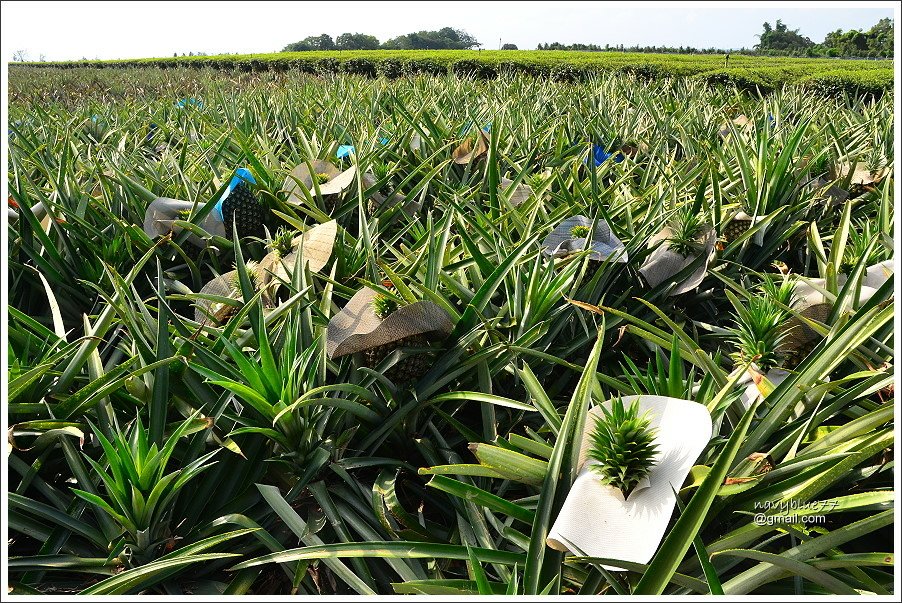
{"x": 777, "y": 40}
{"x": 446, "y": 38}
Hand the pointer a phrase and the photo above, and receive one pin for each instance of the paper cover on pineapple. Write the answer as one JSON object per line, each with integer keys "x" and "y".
{"x": 740, "y": 122}
{"x": 664, "y": 263}
{"x": 223, "y": 286}
{"x": 878, "y": 274}
{"x": 597, "y": 521}
{"x": 861, "y": 175}
{"x": 300, "y": 176}
{"x": 796, "y": 332}
{"x": 776, "y": 376}
{"x": 520, "y": 193}
{"x": 468, "y": 152}
{"x": 357, "y": 328}
{"x": 163, "y": 212}
{"x": 378, "y": 201}
{"x": 561, "y": 242}
{"x": 314, "y": 246}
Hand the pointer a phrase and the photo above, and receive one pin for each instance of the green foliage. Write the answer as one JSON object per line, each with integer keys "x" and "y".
{"x": 320, "y": 42}
{"x": 749, "y": 73}
{"x": 780, "y": 37}
{"x": 334, "y": 478}
{"x": 356, "y": 41}
{"x": 384, "y": 306}
{"x": 282, "y": 241}
{"x": 579, "y": 231}
{"x": 757, "y": 332}
{"x": 876, "y": 42}
{"x": 686, "y": 228}
{"x": 623, "y": 446}
{"x": 446, "y": 38}
{"x": 139, "y": 492}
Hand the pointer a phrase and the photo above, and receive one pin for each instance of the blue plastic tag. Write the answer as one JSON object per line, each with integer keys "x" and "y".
{"x": 345, "y": 150}
{"x": 487, "y": 128}
{"x": 600, "y": 155}
{"x": 241, "y": 174}
{"x": 185, "y": 102}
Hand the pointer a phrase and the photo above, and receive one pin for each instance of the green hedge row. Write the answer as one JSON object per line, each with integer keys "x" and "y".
{"x": 832, "y": 77}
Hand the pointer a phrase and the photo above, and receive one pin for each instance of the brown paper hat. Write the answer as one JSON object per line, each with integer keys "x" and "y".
{"x": 163, "y": 212}
{"x": 861, "y": 175}
{"x": 301, "y": 176}
{"x": 221, "y": 286}
{"x": 224, "y": 286}
{"x": 663, "y": 263}
{"x": 314, "y": 246}
{"x": 827, "y": 190}
{"x": 378, "y": 201}
{"x": 468, "y": 152}
{"x": 741, "y": 122}
{"x": 357, "y": 328}
{"x": 519, "y": 195}
{"x": 561, "y": 242}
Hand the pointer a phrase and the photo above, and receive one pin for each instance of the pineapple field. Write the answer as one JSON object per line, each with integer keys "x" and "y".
{"x": 283, "y": 333}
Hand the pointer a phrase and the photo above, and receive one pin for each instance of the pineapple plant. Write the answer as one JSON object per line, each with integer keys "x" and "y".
{"x": 857, "y": 243}
{"x": 408, "y": 368}
{"x": 758, "y": 332}
{"x": 384, "y": 306}
{"x": 283, "y": 242}
{"x": 686, "y": 229}
{"x": 242, "y": 208}
{"x": 226, "y": 285}
{"x": 622, "y": 446}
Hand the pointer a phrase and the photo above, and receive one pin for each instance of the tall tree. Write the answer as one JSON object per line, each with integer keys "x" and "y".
{"x": 320, "y": 42}
{"x": 356, "y": 41}
{"x": 446, "y": 38}
{"x": 782, "y": 38}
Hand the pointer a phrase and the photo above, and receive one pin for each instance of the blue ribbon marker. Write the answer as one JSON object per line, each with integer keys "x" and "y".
{"x": 600, "y": 155}
{"x": 240, "y": 174}
{"x": 487, "y": 128}
{"x": 345, "y": 150}
{"x": 190, "y": 101}
{"x": 383, "y": 141}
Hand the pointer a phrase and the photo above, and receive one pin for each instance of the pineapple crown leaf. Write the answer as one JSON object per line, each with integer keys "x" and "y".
{"x": 580, "y": 231}
{"x": 251, "y": 266}
{"x": 780, "y": 289}
{"x": 282, "y": 242}
{"x": 759, "y": 332}
{"x": 686, "y": 228}
{"x": 384, "y": 305}
{"x": 623, "y": 446}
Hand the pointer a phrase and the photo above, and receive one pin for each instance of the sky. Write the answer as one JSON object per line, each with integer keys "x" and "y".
{"x": 108, "y": 30}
